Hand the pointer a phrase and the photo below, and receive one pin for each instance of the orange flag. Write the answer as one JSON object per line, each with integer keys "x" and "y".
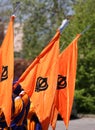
{"x": 27, "y": 79}
{"x": 54, "y": 114}
{"x": 7, "y": 71}
{"x": 0, "y": 62}
{"x": 46, "y": 81}
{"x": 40, "y": 78}
{"x": 66, "y": 80}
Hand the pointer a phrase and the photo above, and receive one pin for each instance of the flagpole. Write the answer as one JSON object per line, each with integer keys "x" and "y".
{"x": 87, "y": 28}
{"x": 16, "y": 8}
{"x": 63, "y": 25}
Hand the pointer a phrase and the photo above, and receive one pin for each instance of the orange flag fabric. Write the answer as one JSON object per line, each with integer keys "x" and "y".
{"x": 46, "y": 81}
{"x": 40, "y": 80}
{"x": 54, "y": 114}
{"x": 66, "y": 80}
{"x": 6, "y": 80}
{"x": 0, "y": 62}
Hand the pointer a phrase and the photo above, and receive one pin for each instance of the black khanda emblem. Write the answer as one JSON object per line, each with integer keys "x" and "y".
{"x": 4, "y": 74}
{"x": 61, "y": 83}
{"x": 41, "y": 84}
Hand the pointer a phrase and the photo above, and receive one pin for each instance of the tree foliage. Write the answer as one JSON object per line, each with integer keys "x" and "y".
{"x": 6, "y": 10}
{"x": 41, "y": 19}
{"x": 40, "y": 27}
{"x": 45, "y": 18}
{"x": 85, "y": 84}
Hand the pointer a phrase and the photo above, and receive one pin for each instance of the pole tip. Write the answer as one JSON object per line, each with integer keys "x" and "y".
{"x": 63, "y": 25}
{"x": 13, "y": 17}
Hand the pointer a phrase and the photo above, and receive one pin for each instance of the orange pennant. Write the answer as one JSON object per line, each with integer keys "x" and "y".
{"x": 66, "y": 80}
{"x": 0, "y": 62}
{"x": 54, "y": 114}
{"x": 40, "y": 78}
{"x": 7, "y": 71}
{"x": 46, "y": 80}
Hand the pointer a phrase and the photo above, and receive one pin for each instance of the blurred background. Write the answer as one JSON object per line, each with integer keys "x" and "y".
{"x": 36, "y": 23}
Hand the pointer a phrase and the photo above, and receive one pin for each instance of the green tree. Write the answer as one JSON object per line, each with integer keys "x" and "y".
{"x": 6, "y": 10}
{"x": 41, "y": 19}
{"x": 85, "y": 83}
{"x": 40, "y": 27}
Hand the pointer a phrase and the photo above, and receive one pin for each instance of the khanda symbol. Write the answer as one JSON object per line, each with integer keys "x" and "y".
{"x": 61, "y": 83}
{"x": 4, "y": 75}
{"x": 41, "y": 84}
